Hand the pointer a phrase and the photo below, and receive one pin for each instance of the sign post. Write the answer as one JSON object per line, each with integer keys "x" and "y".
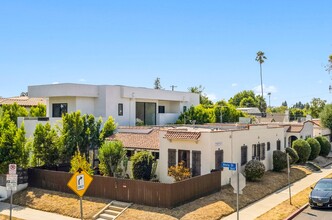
{"x": 238, "y": 182}
{"x": 79, "y": 183}
{"x": 289, "y": 187}
{"x": 11, "y": 184}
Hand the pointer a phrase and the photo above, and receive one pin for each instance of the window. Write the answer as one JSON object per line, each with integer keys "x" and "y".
{"x": 171, "y": 157}
{"x": 258, "y": 151}
{"x": 254, "y": 151}
{"x": 244, "y": 155}
{"x": 146, "y": 111}
{"x": 268, "y": 145}
{"x": 156, "y": 155}
{"x": 120, "y": 109}
{"x": 161, "y": 109}
{"x": 59, "y": 109}
{"x": 184, "y": 108}
{"x": 262, "y": 157}
{"x": 219, "y": 158}
{"x": 130, "y": 153}
{"x": 278, "y": 144}
{"x": 184, "y": 155}
{"x": 196, "y": 166}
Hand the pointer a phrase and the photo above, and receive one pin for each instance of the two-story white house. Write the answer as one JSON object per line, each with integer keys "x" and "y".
{"x": 125, "y": 104}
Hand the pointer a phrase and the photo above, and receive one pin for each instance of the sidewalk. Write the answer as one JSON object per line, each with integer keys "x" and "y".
{"x": 260, "y": 207}
{"x": 30, "y": 214}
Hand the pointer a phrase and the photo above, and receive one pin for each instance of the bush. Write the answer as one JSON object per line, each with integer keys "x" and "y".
{"x": 254, "y": 170}
{"x": 303, "y": 149}
{"x": 325, "y": 146}
{"x": 111, "y": 154}
{"x": 293, "y": 155}
{"x": 78, "y": 161}
{"x": 142, "y": 165}
{"x": 179, "y": 172}
{"x": 279, "y": 160}
{"x": 315, "y": 148}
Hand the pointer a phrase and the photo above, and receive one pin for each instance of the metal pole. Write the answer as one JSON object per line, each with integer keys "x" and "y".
{"x": 81, "y": 205}
{"x": 289, "y": 187}
{"x": 11, "y": 204}
{"x": 238, "y": 189}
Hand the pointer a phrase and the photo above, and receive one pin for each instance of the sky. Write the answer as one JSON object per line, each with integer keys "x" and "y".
{"x": 185, "y": 43}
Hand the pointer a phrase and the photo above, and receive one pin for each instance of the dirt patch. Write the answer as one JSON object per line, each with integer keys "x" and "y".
{"x": 57, "y": 202}
{"x": 219, "y": 204}
{"x": 6, "y": 217}
{"x": 285, "y": 209}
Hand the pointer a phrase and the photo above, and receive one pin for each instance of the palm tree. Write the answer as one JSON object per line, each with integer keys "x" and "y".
{"x": 260, "y": 57}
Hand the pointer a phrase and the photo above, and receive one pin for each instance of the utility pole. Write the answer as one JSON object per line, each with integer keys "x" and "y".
{"x": 269, "y": 94}
{"x": 173, "y": 86}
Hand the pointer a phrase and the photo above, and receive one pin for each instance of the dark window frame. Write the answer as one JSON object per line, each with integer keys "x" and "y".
{"x": 262, "y": 156}
{"x": 218, "y": 159}
{"x": 278, "y": 145}
{"x": 120, "y": 109}
{"x": 63, "y": 109}
{"x": 268, "y": 146}
{"x": 196, "y": 163}
{"x": 186, "y": 154}
{"x": 161, "y": 109}
{"x": 171, "y": 157}
{"x": 184, "y": 108}
{"x": 254, "y": 152}
{"x": 244, "y": 154}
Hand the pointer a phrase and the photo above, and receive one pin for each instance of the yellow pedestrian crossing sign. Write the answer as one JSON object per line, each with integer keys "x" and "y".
{"x": 80, "y": 182}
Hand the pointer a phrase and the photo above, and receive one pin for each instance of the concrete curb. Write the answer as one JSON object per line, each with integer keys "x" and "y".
{"x": 297, "y": 212}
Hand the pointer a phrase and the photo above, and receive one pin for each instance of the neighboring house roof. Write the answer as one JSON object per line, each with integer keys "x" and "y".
{"x": 22, "y": 101}
{"x": 138, "y": 138}
{"x": 182, "y": 135}
{"x": 295, "y": 128}
{"x": 250, "y": 110}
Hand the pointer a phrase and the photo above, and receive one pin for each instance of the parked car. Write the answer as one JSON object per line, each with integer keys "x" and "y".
{"x": 321, "y": 194}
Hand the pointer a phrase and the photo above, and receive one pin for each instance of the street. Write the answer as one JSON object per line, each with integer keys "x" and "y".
{"x": 309, "y": 214}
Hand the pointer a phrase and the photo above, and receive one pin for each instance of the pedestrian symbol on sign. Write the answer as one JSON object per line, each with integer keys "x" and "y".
{"x": 80, "y": 182}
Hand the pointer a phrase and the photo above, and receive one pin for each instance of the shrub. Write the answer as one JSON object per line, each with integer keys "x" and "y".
{"x": 303, "y": 149}
{"x": 179, "y": 172}
{"x": 142, "y": 165}
{"x": 325, "y": 146}
{"x": 111, "y": 154}
{"x": 78, "y": 161}
{"x": 279, "y": 160}
{"x": 315, "y": 148}
{"x": 293, "y": 155}
{"x": 254, "y": 170}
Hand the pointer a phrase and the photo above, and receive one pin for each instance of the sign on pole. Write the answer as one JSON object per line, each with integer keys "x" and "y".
{"x": 230, "y": 166}
{"x": 11, "y": 182}
{"x": 12, "y": 169}
{"x": 79, "y": 182}
{"x": 242, "y": 182}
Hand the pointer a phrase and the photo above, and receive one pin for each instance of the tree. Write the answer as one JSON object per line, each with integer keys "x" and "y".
{"x": 316, "y": 107}
{"x": 203, "y": 99}
{"x": 111, "y": 154}
{"x": 13, "y": 148}
{"x": 14, "y": 111}
{"x": 329, "y": 65}
{"x": 142, "y": 163}
{"x": 45, "y": 145}
{"x": 245, "y": 94}
{"x": 315, "y": 148}
{"x": 38, "y": 111}
{"x": 284, "y": 103}
{"x": 326, "y": 116}
{"x": 108, "y": 129}
{"x": 157, "y": 84}
{"x": 260, "y": 57}
{"x": 302, "y": 149}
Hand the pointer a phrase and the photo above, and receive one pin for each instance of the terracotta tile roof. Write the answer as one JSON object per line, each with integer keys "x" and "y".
{"x": 134, "y": 138}
{"x": 22, "y": 101}
{"x": 295, "y": 128}
{"x": 182, "y": 135}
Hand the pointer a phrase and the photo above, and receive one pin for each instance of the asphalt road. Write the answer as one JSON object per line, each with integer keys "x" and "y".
{"x": 310, "y": 214}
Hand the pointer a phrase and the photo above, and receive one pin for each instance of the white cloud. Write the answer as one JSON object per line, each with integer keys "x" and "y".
{"x": 234, "y": 84}
{"x": 212, "y": 97}
{"x": 55, "y": 82}
{"x": 266, "y": 89}
{"x": 82, "y": 80}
